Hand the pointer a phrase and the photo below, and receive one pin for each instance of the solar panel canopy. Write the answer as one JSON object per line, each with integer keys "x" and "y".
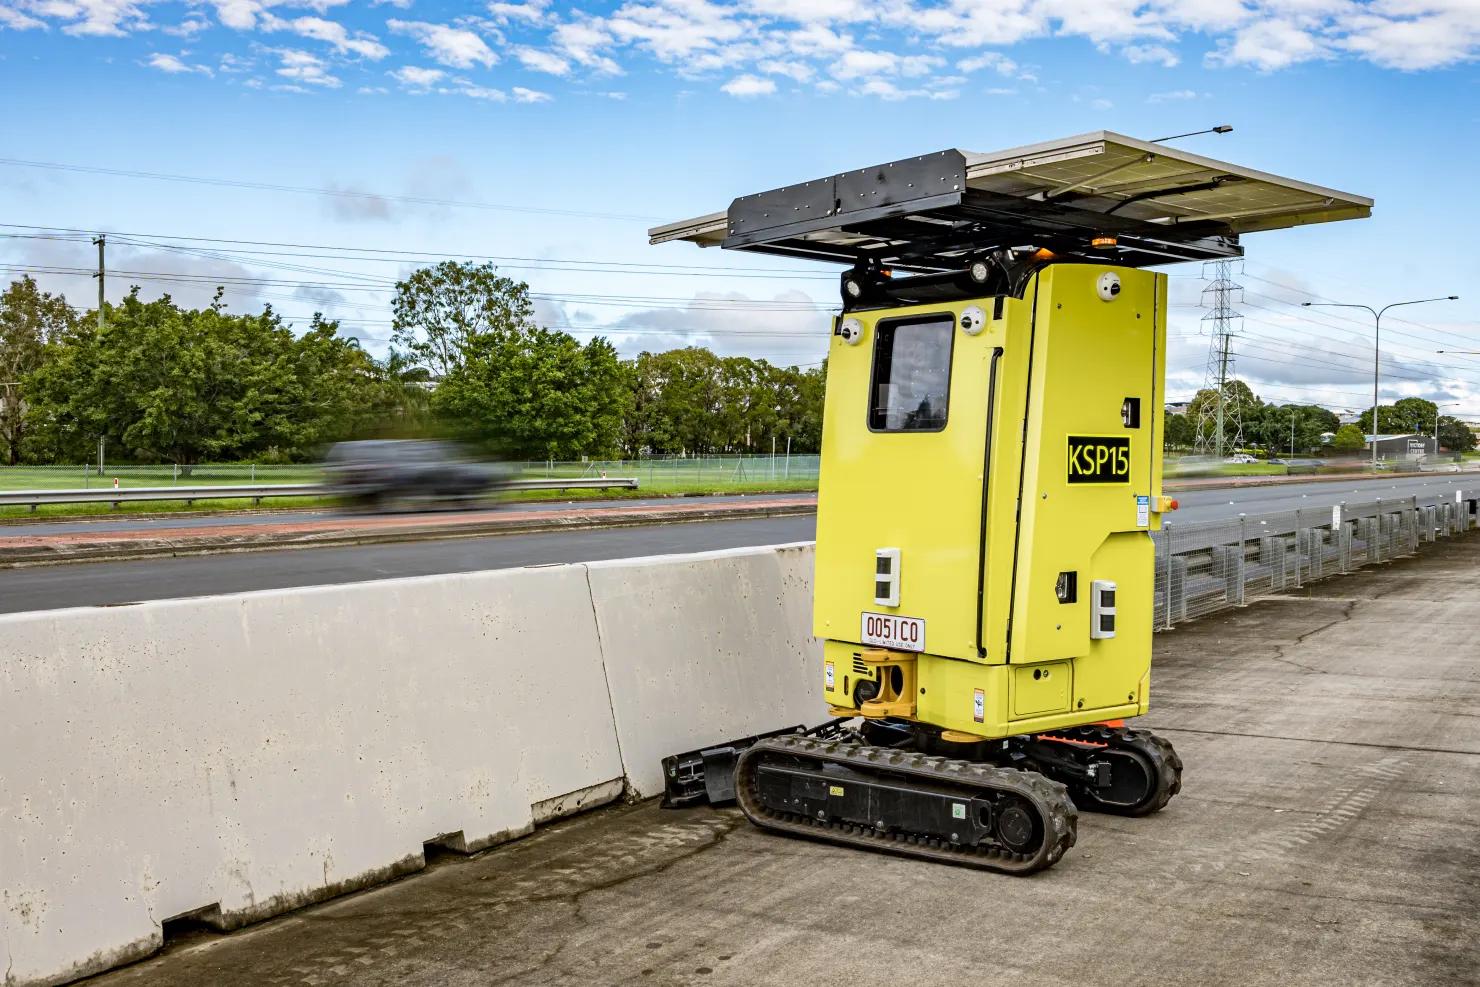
{"x": 1141, "y": 201}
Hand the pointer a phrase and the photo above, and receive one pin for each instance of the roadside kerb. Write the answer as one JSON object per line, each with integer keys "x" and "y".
{"x": 334, "y": 532}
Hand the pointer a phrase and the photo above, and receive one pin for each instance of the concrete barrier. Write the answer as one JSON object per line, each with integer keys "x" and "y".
{"x": 229, "y": 758}
{"x": 702, "y": 648}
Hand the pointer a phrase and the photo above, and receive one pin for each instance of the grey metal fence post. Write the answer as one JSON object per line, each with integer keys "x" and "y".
{"x": 1166, "y": 537}
{"x": 1243, "y": 547}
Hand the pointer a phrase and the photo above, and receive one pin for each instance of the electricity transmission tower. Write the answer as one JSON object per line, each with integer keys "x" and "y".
{"x": 1222, "y": 416}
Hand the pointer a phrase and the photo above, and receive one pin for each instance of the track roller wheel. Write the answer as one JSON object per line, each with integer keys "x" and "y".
{"x": 1145, "y": 771}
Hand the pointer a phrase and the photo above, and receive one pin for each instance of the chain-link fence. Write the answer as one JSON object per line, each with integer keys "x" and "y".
{"x": 691, "y": 472}
{"x": 86, "y": 476}
{"x": 1204, "y": 567}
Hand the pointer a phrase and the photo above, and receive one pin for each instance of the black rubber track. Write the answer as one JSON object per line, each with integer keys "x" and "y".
{"x": 1158, "y": 751}
{"x": 1056, "y": 812}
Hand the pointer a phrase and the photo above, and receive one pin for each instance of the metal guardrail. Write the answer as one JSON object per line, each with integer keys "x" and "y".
{"x": 1205, "y": 567}
{"x": 256, "y": 492}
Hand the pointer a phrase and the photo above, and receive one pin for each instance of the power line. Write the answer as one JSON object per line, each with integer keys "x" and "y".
{"x": 391, "y": 255}
{"x": 310, "y": 190}
{"x": 621, "y": 301}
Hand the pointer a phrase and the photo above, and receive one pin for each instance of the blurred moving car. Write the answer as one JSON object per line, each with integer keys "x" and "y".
{"x": 1241, "y": 459}
{"x": 381, "y": 473}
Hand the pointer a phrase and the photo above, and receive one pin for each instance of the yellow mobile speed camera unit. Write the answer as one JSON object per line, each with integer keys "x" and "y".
{"x": 991, "y": 475}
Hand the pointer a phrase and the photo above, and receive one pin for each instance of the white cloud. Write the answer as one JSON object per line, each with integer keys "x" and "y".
{"x": 583, "y": 41}
{"x": 416, "y": 77}
{"x": 17, "y": 21}
{"x": 1140, "y": 54}
{"x": 80, "y": 18}
{"x": 851, "y": 41}
{"x": 187, "y": 28}
{"x": 858, "y": 63}
{"x": 886, "y": 90}
{"x": 175, "y": 66}
{"x": 791, "y": 68}
{"x": 453, "y": 46}
{"x": 332, "y": 33}
{"x": 532, "y": 12}
{"x": 473, "y": 91}
{"x": 724, "y": 323}
{"x": 1271, "y": 44}
{"x": 522, "y": 95}
{"x": 1172, "y": 96}
{"x": 994, "y": 60}
{"x": 749, "y": 85}
{"x": 542, "y": 61}
{"x": 305, "y": 67}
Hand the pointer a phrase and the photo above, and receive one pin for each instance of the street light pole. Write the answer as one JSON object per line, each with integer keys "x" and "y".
{"x": 1437, "y": 406}
{"x": 1377, "y": 346}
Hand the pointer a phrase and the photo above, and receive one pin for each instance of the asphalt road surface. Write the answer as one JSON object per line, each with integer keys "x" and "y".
{"x": 113, "y": 583}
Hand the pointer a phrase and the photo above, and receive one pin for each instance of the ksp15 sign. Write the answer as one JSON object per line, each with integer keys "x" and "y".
{"x": 1099, "y": 459}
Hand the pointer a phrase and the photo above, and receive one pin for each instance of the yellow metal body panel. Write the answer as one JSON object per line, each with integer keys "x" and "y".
{"x": 986, "y": 514}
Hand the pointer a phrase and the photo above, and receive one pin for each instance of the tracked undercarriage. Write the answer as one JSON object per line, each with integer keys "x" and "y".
{"x": 1007, "y": 805}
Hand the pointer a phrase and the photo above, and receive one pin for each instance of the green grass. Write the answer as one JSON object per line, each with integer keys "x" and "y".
{"x": 320, "y": 503}
{"x": 1250, "y": 469}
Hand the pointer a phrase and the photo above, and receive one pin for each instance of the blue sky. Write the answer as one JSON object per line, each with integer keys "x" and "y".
{"x": 553, "y": 136}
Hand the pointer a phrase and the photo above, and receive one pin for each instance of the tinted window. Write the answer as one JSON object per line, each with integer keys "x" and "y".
{"x": 912, "y": 375}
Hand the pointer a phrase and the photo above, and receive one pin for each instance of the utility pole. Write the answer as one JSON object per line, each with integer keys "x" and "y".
{"x": 1292, "y": 435}
{"x": 100, "y": 241}
{"x": 1220, "y": 362}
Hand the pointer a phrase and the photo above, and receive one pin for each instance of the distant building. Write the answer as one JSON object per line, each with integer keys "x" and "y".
{"x": 1349, "y": 418}
{"x": 1407, "y": 446}
{"x": 1179, "y": 408}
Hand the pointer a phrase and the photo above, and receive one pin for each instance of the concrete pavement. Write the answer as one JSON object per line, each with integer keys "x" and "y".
{"x": 1326, "y": 834}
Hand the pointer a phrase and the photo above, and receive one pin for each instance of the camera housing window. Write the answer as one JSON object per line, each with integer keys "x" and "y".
{"x": 911, "y": 385}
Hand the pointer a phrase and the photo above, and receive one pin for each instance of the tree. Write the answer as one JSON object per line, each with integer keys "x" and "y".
{"x": 1455, "y": 435}
{"x": 1242, "y": 405}
{"x": 438, "y": 311}
{"x": 692, "y": 401}
{"x": 536, "y": 393}
{"x": 1270, "y": 426}
{"x": 1178, "y": 432}
{"x": 161, "y": 383}
{"x": 1405, "y": 416}
{"x": 29, "y": 320}
{"x": 676, "y": 402}
{"x": 1349, "y": 438}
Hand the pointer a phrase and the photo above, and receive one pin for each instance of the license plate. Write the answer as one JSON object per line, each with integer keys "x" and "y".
{"x": 889, "y": 631}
